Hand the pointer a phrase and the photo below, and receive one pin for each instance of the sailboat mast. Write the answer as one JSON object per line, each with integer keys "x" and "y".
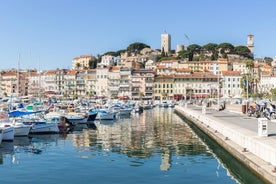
{"x": 18, "y": 75}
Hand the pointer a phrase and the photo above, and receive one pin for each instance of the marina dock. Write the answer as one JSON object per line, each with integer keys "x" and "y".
{"x": 249, "y": 139}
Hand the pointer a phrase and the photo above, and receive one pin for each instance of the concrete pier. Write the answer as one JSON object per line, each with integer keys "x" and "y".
{"x": 239, "y": 135}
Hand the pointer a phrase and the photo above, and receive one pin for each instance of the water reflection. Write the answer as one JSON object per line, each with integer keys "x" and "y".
{"x": 155, "y": 131}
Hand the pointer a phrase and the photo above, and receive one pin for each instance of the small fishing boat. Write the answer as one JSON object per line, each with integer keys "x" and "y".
{"x": 8, "y": 133}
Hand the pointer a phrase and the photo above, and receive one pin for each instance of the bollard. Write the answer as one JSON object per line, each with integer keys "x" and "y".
{"x": 262, "y": 127}
{"x": 203, "y": 109}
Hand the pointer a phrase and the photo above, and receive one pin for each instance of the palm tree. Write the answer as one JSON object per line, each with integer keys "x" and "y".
{"x": 78, "y": 65}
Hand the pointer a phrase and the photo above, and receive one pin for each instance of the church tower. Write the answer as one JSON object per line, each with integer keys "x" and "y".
{"x": 166, "y": 43}
{"x": 250, "y": 43}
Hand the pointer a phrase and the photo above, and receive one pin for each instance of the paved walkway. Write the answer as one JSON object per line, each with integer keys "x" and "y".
{"x": 242, "y": 132}
{"x": 235, "y": 116}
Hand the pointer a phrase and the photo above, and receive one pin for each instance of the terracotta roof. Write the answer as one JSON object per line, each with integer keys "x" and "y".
{"x": 83, "y": 56}
{"x": 115, "y": 68}
{"x": 231, "y": 72}
{"x": 197, "y": 75}
{"x": 71, "y": 72}
{"x": 9, "y": 74}
{"x": 183, "y": 69}
{"x": 50, "y": 72}
{"x": 160, "y": 67}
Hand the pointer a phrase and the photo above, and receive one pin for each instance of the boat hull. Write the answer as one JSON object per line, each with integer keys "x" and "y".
{"x": 22, "y": 130}
{"x": 42, "y": 127}
{"x": 8, "y": 133}
{"x": 106, "y": 116}
{"x": 1, "y": 135}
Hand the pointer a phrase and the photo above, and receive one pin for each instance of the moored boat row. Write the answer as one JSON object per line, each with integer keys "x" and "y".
{"x": 39, "y": 118}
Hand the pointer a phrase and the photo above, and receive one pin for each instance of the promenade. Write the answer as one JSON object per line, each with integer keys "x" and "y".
{"x": 239, "y": 134}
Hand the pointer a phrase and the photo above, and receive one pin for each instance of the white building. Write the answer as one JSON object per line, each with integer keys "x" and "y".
{"x": 102, "y": 81}
{"x": 267, "y": 82}
{"x": 49, "y": 82}
{"x": 240, "y": 66}
{"x": 230, "y": 84}
{"x": 107, "y": 60}
{"x": 114, "y": 81}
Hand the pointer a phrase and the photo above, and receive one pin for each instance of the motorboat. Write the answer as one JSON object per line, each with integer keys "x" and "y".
{"x": 20, "y": 129}
{"x": 1, "y": 135}
{"x": 122, "y": 110}
{"x": 79, "y": 118}
{"x": 104, "y": 114}
{"x": 38, "y": 127}
{"x": 8, "y": 132}
{"x": 36, "y": 122}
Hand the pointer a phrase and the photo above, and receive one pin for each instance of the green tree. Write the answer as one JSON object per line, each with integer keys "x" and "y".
{"x": 193, "y": 49}
{"x": 268, "y": 60}
{"x": 273, "y": 93}
{"x": 225, "y": 48}
{"x": 246, "y": 82}
{"x": 242, "y": 51}
{"x": 78, "y": 65}
{"x": 212, "y": 48}
{"x": 136, "y": 47}
{"x": 118, "y": 53}
{"x": 93, "y": 63}
{"x": 184, "y": 54}
{"x": 111, "y": 53}
{"x": 249, "y": 64}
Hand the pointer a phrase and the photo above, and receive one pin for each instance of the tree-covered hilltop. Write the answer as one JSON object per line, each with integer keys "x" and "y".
{"x": 194, "y": 52}
{"x": 213, "y": 51}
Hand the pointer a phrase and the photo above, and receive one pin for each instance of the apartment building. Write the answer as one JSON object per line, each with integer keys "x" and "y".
{"x": 114, "y": 82}
{"x": 14, "y": 83}
{"x": 70, "y": 84}
{"x": 90, "y": 82}
{"x": 82, "y": 62}
{"x": 142, "y": 84}
{"x": 107, "y": 60}
{"x": 195, "y": 85}
{"x": 163, "y": 87}
{"x": 125, "y": 82}
{"x": 231, "y": 84}
{"x": 102, "y": 81}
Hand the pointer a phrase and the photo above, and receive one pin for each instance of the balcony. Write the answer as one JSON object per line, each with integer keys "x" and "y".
{"x": 113, "y": 88}
{"x": 124, "y": 85}
{"x": 135, "y": 85}
{"x": 149, "y": 84}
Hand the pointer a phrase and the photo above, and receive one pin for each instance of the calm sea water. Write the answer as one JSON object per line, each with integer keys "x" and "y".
{"x": 153, "y": 147}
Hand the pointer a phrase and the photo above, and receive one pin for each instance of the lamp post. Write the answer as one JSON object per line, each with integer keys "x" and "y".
{"x": 246, "y": 93}
{"x": 218, "y": 90}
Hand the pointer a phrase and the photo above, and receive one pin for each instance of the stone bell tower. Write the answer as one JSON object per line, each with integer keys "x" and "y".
{"x": 250, "y": 43}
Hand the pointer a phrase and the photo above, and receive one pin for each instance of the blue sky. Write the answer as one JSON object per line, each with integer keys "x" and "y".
{"x": 48, "y": 34}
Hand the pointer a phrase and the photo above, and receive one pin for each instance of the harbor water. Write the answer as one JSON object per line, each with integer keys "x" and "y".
{"x": 155, "y": 146}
